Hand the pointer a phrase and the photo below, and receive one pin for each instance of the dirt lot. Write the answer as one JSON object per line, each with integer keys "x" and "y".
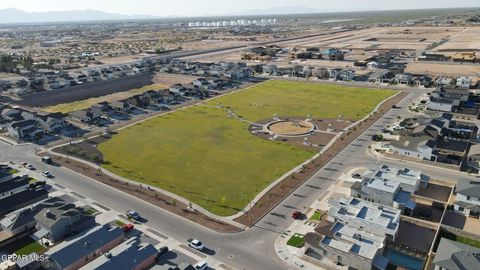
{"x": 444, "y": 69}
{"x": 79, "y": 92}
{"x": 169, "y": 79}
{"x": 436, "y": 192}
{"x": 415, "y": 236}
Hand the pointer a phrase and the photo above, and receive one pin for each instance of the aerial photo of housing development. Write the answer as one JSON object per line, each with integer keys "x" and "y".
{"x": 247, "y": 135}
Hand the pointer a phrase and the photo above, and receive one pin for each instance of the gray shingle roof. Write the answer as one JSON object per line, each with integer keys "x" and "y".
{"x": 127, "y": 255}
{"x": 453, "y": 255}
{"x": 469, "y": 188}
{"x": 71, "y": 251}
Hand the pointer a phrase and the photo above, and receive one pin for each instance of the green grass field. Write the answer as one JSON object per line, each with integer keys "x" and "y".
{"x": 212, "y": 160}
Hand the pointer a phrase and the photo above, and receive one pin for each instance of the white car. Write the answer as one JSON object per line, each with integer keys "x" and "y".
{"x": 47, "y": 174}
{"x": 196, "y": 244}
{"x": 29, "y": 166}
{"x": 201, "y": 265}
{"x": 133, "y": 215}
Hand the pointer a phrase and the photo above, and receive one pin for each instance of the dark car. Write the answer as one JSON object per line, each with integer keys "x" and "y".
{"x": 356, "y": 176}
{"x": 296, "y": 215}
{"x": 162, "y": 251}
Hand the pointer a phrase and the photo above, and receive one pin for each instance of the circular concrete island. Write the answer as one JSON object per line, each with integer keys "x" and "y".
{"x": 291, "y": 128}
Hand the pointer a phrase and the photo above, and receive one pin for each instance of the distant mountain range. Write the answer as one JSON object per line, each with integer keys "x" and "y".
{"x": 12, "y": 15}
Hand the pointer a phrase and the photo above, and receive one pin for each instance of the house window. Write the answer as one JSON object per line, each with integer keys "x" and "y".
{"x": 339, "y": 258}
{"x": 468, "y": 198}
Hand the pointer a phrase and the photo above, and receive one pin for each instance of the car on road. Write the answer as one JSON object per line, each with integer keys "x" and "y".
{"x": 196, "y": 244}
{"x": 47, "y": 160}
{"x": 128, "y": 227}
{"x": 296, "y": 214}
{"x": 162, "y": 251}
{"x": 30, "y": 167}
{"x": 201, "y": 265}
{"x": 133, "y": 215}
{"x": 47, "y": 174}
{"x": 356, "y": 176}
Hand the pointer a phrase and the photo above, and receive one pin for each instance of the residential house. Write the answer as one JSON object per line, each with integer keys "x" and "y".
{"x": 333, "y": 54}
{"x": 18, "y": 193}
{"x": 138, "y": 101}
{"x": 131, "y": 254}
{"x": 85, "y": 116}
{"x": 387, "y": 191}
{"x": 403, "y": 79}
{"x": 452, "y": 255}
{"x": 77, "y": 252}
{"x": 121, "y": 106}
{"x": 468, "y": 198}
{"x": 25, "y": 129}
{"x": 60, "y": 221}
{"x": 101, "y": 108}
{"x": 12, "y": 114}
{"x": 446, "y": 98}
{"x": 370, "y": 217}
{"x": 51, "y": 123}
{"x": 346, "y": 245}
{"x": 23, "y": 220}
{"x": 346, "y": 75}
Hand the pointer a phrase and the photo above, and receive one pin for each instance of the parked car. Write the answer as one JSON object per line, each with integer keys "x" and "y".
{"x": 162, "y": 251}
{"x": 47, "y": 160}
{"x": 47, "y": 174}
{"x": 296, "y": 214}
{"x": 201, "y": 265}
{"x": 30, "y": 167}
{"x": 133, "y": 215}
{"x": 356, "y": 176}
{"x": 128, "y": 227}
{"x": 196, "y": 244}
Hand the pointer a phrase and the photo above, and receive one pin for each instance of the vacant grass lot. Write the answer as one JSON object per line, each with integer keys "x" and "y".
{"x": 287, "y": 98}
{"x": 204, "y": 156}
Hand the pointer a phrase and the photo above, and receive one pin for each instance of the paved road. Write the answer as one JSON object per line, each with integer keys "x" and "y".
{"x": 254, "y": 248}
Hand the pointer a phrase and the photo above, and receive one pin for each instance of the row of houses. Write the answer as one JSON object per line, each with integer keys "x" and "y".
{"x": 455, "y": 99}
{"x": 30, "y": 126}
{"x": 354, "y": 234}
{"x": 359, "y": 228}
{"x": 49, "y": 80}
{"x": 73, "y": 238}
{"x": 442, "y": 140}
{"x": 331, "y": 54}
{"x": 104, "y": 113}
{"x": 236, "y": 71}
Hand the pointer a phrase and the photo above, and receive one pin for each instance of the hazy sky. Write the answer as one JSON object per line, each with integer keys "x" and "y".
{"x": 215, "y": 7}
